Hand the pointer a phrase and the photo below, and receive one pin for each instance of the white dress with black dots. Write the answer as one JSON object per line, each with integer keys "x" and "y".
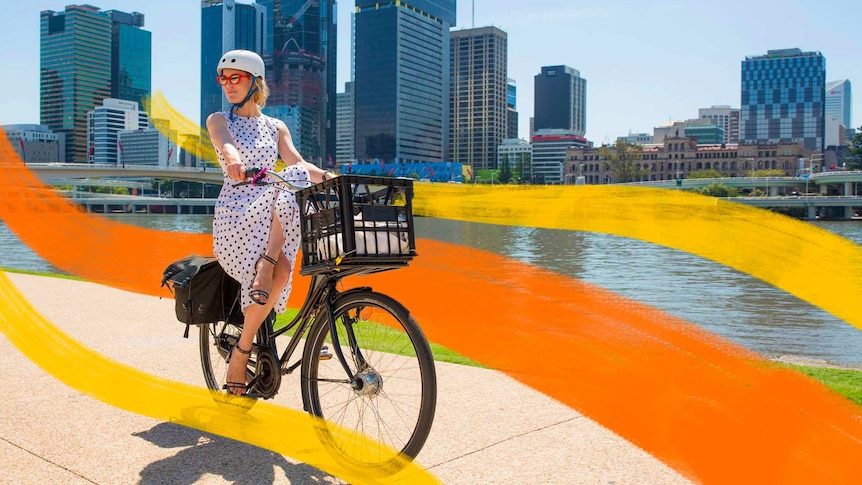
{"x": 243, "y": 215}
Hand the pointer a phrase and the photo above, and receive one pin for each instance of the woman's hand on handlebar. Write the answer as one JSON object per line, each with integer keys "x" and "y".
{"x": 236, "y": 171}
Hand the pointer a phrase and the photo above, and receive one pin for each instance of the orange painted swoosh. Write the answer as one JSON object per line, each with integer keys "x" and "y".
{"x": 712, "y": 410}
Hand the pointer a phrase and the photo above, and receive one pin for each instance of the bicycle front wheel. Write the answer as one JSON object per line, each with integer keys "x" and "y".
{"x": 390, "y": 394}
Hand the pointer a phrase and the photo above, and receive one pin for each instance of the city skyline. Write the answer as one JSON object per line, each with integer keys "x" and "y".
{"x": 655, "y": 64}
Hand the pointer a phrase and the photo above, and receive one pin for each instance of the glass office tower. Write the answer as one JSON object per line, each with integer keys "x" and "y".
{"x": 226, "y": 25}
{"x": 74, "y": 72}
{"x": 783, "y": 98}
{"x": 837, "y": 112}
{"x": 131, "y": 57}
{"x": 300, "y": 42}
{"x": 401, "y": 80}
{"x": 87, "y": 55}
{"x": 511, "y": 109}
{"x": 560, "y": 100}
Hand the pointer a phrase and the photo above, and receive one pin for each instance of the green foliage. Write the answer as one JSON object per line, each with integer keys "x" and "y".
{"x": 772, "y": 172}
{"x": 522, "y": 170}
{"x": 120, "y": 191}
{"x": 704, "y": 174}
{"x": 622, "y": 162}
{"x": 716, "y": 189}
{"x": 505, "y": 174}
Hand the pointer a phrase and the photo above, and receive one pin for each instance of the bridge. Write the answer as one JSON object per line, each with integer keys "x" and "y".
{"x": 83, "y": 174}
{"x": 51, "y": 172}
{"x": 110, "y": 203}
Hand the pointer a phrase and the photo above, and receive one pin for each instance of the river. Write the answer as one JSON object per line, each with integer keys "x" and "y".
{"x": 720, "y": 299}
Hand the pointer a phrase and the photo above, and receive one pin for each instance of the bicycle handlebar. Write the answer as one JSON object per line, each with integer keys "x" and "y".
{"x": 254, "y": 172}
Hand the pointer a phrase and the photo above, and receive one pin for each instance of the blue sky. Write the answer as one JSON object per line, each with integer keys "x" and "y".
{"x": 646, "y": 62}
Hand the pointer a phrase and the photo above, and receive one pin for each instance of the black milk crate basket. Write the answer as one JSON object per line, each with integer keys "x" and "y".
{"x": 358, "y": 223}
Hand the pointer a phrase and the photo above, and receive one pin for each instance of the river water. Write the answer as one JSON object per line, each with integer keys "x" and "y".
{"x": 721, "y": 300}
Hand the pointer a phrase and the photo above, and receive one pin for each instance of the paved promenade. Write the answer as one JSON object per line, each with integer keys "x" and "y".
{"x": 488, "y": 429}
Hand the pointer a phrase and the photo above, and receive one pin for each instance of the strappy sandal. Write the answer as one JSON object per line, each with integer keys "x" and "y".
{"x": 260, "y": 296}
{"x": 231, "y": 386}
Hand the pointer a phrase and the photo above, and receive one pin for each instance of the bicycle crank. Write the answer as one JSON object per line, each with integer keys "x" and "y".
{"x": 267, "y": 376}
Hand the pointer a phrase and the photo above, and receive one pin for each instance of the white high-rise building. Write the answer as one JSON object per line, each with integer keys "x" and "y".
{"x": 837, "y": 112}
{"x": 725, "y": 117}
{"x": 103, "y": 124}
{"x": 36, "y": 143}
{"x": 478, "y": 116}
{"x": 148, "y": 146}
{"x": 344, "y": 129}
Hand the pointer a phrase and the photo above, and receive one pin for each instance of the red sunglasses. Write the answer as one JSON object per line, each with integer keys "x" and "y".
{"x": 233, "y": 78}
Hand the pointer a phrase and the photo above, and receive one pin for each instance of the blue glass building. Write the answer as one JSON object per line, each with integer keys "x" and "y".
{"x": 401, "y": 65}
{"x": 783, "y": 98}
{"x": 87, "y": 55}
{"x": 226, "y": 25}
{"x": 511, "y": 109}
{"x": 131, "y": 57}
{"x": 300, "y": 54}
{"x": 74, "y": 72}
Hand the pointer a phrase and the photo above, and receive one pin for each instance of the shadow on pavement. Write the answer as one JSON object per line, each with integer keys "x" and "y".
{"x": 203, "y": 454}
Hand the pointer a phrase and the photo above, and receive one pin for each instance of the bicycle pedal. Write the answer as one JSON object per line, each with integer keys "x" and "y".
{"x": 324, "y": 353}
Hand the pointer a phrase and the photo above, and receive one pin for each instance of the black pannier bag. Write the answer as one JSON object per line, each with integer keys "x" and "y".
{"x": 203, "y": 292}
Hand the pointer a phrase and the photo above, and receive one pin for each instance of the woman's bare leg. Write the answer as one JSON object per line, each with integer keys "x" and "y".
{"x": 255, "y": 314}
{"x": 263, "y": 269}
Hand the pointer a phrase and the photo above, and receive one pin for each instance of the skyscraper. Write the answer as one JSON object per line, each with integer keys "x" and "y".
{"x": 103, "y": 124}
{"x": 226, "y": 25}
{"x": 131, "y": 56}
{"x": 300, "y": 48}
{"x": 344, "y": 125}
{"x": 837, "y": 109}
{"x": 560, "y": 97}
{"x": 477, "y": 99}
{"x": 511, "y": 109}
{"x": 402, "y": 79}
{"x": 783, "y": 98}
{"x": 74, "y": 72}
{"x": 85, "y": 56}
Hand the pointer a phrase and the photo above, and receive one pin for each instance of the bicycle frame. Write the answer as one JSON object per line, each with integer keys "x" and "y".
{"x": 322, "y": 291}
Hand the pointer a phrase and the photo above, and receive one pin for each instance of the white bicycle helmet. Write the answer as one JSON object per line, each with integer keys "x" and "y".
{"x": 242, "y": 60}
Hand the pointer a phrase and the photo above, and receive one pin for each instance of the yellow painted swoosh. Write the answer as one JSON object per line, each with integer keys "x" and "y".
{"x": 815, "y": 265}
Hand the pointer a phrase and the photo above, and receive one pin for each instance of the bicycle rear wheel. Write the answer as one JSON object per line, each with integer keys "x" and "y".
{"x": 392, "y": 395}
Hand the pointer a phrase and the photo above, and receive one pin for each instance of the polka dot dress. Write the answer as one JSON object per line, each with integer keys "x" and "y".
{"x": 243, "y": 215}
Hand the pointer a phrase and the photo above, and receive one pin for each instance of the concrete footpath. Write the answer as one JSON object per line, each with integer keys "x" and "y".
{"x": 489, "y": 429}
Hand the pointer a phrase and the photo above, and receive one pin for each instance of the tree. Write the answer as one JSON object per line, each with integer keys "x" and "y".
{"x": 716, "y": 189}
{"x": 522, "y": 167}
{"x": 704, "y": 174}
{"x": 505, "y": 174}
{"x": 855, "y": 159}
{"x": 622, "y": 162}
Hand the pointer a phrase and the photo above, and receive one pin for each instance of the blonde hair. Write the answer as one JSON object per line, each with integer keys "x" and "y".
{"x": 262, "y": 93}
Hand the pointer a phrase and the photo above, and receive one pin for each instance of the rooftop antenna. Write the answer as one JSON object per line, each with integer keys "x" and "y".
{"x": 474, "y": 13}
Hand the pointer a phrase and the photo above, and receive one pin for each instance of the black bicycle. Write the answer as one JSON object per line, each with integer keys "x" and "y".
{"x": 365, "y": 363}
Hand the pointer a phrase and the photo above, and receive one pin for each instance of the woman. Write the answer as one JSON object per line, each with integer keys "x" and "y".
{"x": 255, "y": 229}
